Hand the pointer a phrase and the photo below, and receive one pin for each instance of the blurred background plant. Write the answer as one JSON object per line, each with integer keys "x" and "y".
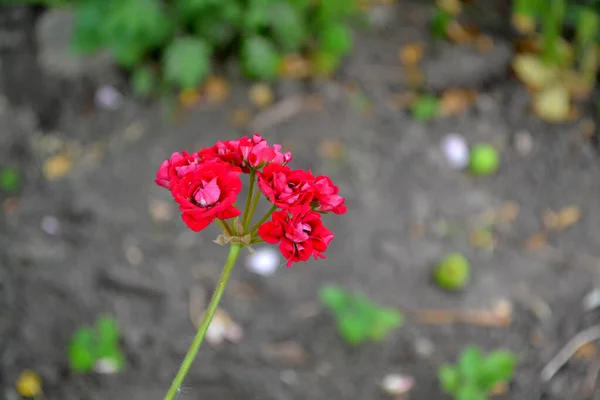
{"x": 557, "y": 49}
{"x": 179, "y": 43}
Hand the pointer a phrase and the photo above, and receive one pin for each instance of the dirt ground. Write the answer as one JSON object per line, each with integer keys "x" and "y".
{"x": 108, "y": 253}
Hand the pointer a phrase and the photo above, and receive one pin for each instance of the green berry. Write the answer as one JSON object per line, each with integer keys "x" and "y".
{"x": 484, "y": 160}
{"x": 9, "y": 179}
{"x": 453, "y": 272}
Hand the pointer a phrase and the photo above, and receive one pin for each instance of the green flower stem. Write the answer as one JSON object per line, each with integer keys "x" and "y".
{"x": 255, "y": 201}
{"x": 224, "y": 226}
{"x": 246, "y": 215}
{"x": 234, "y": 252}
{"x": 263, "y": 219}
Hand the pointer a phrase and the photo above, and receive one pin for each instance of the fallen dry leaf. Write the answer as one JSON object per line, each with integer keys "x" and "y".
{"x": 261, "y": 95}
{"x": 331, "y": 148}
{"x": 509, "y": 212}
{"x": 484, "y": 43}
{"x": 57, "y": 166}
{"x": 217, "y": 90}
{"x": 550, "y": 219}
{"x": 189, "y": 97}
{"x": 568, "y": 216}
{"x": 498, "y": 316}
{"x": 532, "y": 71}
{"x": 411, "y": 54}
{"x": 456, "y": 101}
{"x": 536, "y": 242}
{"x": 240, "y": 117}
{"x": 499, "y": 389}
{"x": 553, "y": 104}
{"x": 414, "y": 76}
{"x": 288, "y": 353}
{"x": 294, "y": 66}
{"x": 524, "y": 24}
{"x": 588, "y": 351}
{"x": 458, "y": 33}
{"x": 452, "y": 7}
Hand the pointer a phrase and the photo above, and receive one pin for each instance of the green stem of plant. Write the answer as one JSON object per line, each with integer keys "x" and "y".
{"x": 234, "y": 252}
{"x": 255, "y": 201}
{"x": 263, "y": 219}
{"x": 246, "y": 215}
{"x": 224, "y": 225}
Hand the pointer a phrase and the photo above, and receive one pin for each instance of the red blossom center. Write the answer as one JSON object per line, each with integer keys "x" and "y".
{"x": 300, "y": 233}
{"x": 208, "y": 193}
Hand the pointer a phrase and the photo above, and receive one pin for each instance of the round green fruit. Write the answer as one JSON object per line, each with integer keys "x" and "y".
{"x": 483, "y": 160}
{"x": 453, "y": 272}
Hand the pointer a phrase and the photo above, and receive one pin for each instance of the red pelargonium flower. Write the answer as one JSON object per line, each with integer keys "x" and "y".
{"x": 228, "y": 151}
{"x": 256, "y": 152}
{"x": 207, "y": 192}
{"x": 174, "y": 168}
{"x": 300, "y": 233}
{"x": 327, "y": 198}
{"x": 285, "y": 187}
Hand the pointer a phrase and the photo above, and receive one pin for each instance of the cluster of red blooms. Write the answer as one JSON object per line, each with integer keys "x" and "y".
{"x": 206, "y": 185}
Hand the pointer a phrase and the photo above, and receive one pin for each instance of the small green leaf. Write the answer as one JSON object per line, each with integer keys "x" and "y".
{"x": 385, "y": 320}
{"x": 334, "y": 298}
{"x": 143, "y": 81}
{"x": 470, "y": 362}
{"x": 439, "y": 23}
{"x": 88, "y": 30}
{"x": 353, "y": 328}
{"x": 335, "y": 39}
{"x": 10, "y": 179}
{"x": 81, "y": 350}
{"x": 425, "y": 108}
{"x": 335, "y": 10}
{"x": 186, "y": 62}
{"x": 107, "y": 329}
{"x": 288, "y": 26}
{"x": 470, "y": 392}
{"x": 256, "y": 16}
{"x": 497, "y": 367}
{"x": 259, "y": 58}
{"x": 449, "y": 378}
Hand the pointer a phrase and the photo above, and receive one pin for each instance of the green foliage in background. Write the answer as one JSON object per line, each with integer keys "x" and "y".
{"x": 359, "y": 319}
{"x": 476, "y": 374}
{"x": 89, "y": 346}
{"x": 10, "y": 179}
{"x": 172, "y": 43}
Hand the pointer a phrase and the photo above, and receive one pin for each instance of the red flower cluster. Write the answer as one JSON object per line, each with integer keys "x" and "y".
{"x": 206, "y": 185}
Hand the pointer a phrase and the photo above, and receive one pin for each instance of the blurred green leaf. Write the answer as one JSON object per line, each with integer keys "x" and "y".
{"x": 497, "y": 367}
{"x": 384, "y": 321}
{"x": 186, "y": 62}
{"x": 449, "y": 378}
{"x": 470, "y": 362}
{"x": 88, "y": 31}
{"x": 81, "y": 350}
{"x": 335, "y": 39}
{"x": 334, "y": 298}
{"x": 470, "y": 392}
{"x": 10, "y": 179}
{"x": 439, "y": 23}
{"x": 425, "y": 108}
{"x": 288, "y": 26}
{"x": 143, "y": 81}
{"x": 259, "y": 58}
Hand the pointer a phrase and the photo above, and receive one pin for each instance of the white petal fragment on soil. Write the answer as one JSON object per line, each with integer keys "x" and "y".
{"x": 223, "y": 328}
{"x": 396, "y": 384}
{"x": 456, "y": 150}
{"x": 108, "y": 97}
{"x": 106, "y": 366}
{"x": 50, "y": 225}
{"x": 264, "y": 261}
